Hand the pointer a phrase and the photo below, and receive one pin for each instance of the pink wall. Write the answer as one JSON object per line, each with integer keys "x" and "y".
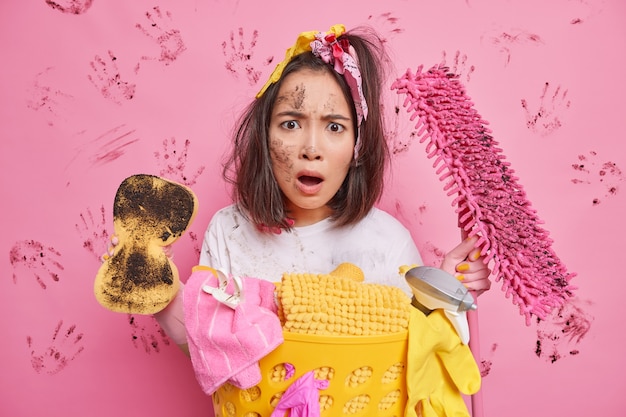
{"x": 74, "y": 123}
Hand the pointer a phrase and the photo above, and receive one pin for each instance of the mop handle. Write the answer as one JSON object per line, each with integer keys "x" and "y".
{"x": 474, "y": 345}
{"x": 472, "y": 320}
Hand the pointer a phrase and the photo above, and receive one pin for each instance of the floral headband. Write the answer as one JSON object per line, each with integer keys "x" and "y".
{"x": 338, "y": 53}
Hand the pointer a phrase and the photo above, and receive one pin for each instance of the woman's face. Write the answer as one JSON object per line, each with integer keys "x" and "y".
{"x": 311, "y": 142}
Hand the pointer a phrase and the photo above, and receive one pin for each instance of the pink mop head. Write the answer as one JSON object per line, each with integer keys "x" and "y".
{"x": 491, "y": 203}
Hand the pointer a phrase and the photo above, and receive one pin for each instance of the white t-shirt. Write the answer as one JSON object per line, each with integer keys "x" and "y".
{"x": 379, "y": 244}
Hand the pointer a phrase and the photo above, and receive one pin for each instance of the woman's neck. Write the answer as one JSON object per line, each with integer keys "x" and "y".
{"x": 306, "y": 217}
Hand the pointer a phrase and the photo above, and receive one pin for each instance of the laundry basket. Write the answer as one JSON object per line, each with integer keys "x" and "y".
{"x": 366, "y": 375}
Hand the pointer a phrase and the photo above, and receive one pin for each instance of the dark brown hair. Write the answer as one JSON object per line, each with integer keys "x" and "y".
{"x": 249, "y": 165}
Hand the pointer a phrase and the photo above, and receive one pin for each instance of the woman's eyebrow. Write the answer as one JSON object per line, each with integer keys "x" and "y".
{"x": 335, "y": 116}
{"x": 292, "y": 113}
{"x": 300, "y": 114}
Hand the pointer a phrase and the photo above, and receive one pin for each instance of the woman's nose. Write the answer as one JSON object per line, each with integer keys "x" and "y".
{"x": 310, "y": 152}
{"x": 310, "y": 147}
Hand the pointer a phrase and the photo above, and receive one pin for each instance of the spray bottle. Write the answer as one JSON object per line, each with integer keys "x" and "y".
{"x": 434, "y": 288}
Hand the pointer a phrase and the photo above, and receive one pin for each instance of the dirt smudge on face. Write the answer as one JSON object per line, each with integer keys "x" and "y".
{"x": 298, "y": 96}
{"x": 281, "y": 158}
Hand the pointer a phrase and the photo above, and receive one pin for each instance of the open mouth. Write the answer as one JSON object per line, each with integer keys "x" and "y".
{"x": 309, "y": 180}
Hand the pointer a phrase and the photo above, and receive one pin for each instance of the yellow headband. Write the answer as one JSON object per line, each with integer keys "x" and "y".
{"x": 303, "y": 44}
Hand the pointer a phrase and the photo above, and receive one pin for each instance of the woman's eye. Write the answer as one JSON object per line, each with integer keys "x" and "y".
{"x": 336, "y": 127}
{"x": 290, "y": 124}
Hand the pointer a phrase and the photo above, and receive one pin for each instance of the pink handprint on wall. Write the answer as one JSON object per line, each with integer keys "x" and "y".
{"x": 70, "y": 6}
{"x": 507, "y": 40}
{"x": 108, "y": 81}
{"x": 547, "y": 117}
{"x": 63, "y": 348}
{"x": 39, "y": 260}
{"x": 93, "y": 232}
{"x": 147, "y": 334}
{"x": 172, "y": 160}
{"x": 458, "y": 65}
{"x": 159, "y": 29}
{"x": 590, "y": 170}
{"x": 47, "y": 99}
{"x": 558, "y": 335}
{"x": 239, "y": 56}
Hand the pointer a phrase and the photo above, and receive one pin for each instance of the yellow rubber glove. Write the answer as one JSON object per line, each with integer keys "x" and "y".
{"x": 439, "y": 368}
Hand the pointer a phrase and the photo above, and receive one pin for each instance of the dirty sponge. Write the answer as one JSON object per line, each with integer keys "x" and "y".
{"x": 149, "y": 213}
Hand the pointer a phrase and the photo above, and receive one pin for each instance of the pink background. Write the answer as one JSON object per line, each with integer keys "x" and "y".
{"x": 74, "y": 123}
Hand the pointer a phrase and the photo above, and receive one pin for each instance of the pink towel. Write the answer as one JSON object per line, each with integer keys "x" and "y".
{"x": 226, "y": 344}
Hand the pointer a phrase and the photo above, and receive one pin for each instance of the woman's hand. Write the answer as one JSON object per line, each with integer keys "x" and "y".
{"x": 466, "y": 263}
{"x": 111, "y": 249}
{"x": 115, "y": 241}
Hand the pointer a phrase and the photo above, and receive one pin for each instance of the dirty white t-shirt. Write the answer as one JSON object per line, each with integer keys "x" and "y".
{"x": 379, "y": 244}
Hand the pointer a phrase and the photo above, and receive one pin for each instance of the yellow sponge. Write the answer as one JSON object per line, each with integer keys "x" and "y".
{"x": 149, "y": 213}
